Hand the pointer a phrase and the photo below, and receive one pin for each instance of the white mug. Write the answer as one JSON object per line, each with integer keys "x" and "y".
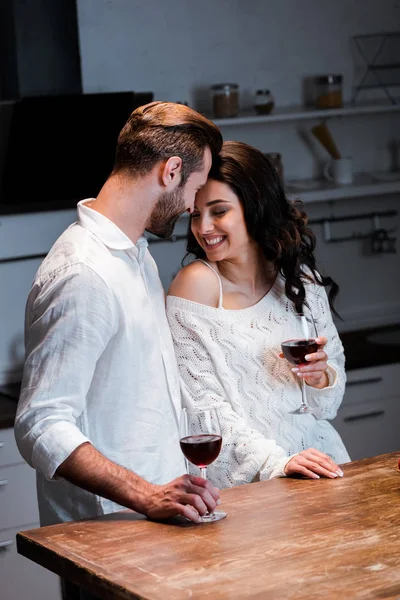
{"x": 339, "y": 170}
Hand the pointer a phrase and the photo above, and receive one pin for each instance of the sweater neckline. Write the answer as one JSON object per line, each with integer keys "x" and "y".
{"x": 275, "y": 291}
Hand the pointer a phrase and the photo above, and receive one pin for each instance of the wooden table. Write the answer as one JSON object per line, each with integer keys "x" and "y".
{"x": 285, "y": 538}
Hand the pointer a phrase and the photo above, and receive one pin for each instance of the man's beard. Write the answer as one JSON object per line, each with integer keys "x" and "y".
{"x": 169, "y": 207}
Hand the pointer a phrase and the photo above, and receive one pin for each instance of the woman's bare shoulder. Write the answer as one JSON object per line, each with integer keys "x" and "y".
{"x": 196, "y": 282}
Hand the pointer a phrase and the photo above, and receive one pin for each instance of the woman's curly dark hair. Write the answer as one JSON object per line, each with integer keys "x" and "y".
{"x": 278, "y": 225}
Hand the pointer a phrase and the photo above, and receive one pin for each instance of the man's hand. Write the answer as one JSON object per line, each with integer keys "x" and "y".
{"x": 187, "y": 495}
{"x": 314, "y": 370}
{"x": 314, "y": 464}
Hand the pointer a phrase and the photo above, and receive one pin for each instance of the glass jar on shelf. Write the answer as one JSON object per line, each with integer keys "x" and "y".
{"x": 264, "y": 102}
{"x": 328, "y": 91}
{"x": 225, "y": 100}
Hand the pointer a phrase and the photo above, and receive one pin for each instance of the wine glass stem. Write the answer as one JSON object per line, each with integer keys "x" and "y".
{"x": 203, "y": 474}
{"x": 303, "y": 393}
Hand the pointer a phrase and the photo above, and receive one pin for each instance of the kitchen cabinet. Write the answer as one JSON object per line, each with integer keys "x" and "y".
{"x": 20, "y": 579}
{"x": 368, "y": 417}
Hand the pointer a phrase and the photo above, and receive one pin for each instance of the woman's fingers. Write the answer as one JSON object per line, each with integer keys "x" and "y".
{"x": 313, "y": 371}
{"x": 302, "y": 470}
{"x": 314, "y": 375}
{"x": 317, "y": 366}
{"x": 322, "y": 471}
{"x": 314, "y": 464}
{"x": 324, "y": 459}
{"x": 315, "y": 356}
{"x": 300, "y": 465}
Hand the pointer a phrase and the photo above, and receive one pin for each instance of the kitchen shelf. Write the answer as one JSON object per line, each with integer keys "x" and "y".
{"x": 299, "y": 113}
{"x": 364, "y": 184}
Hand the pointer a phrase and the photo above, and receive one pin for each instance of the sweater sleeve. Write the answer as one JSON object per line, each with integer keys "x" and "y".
{"x": 246, "y": 455}
{"x": 325, "y": 402}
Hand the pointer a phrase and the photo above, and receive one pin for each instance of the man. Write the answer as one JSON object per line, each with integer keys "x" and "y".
{"x": 99, "y": 407}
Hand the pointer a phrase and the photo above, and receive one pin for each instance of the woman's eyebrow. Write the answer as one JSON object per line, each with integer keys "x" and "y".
{"x": 211, "y": 202}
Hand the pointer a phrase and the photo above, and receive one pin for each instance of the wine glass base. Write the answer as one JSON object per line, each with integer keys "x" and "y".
{"x": 302, "y": 410}
{"x": 217, "y": 515}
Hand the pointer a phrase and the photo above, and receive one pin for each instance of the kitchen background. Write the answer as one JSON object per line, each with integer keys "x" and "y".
{"x": 177, "y": 51}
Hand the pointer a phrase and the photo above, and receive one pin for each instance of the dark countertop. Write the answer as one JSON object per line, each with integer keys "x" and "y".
{"x": 8, "y": 407}
{"x": 359, "y": 351}
{"x": 9, "y": 394}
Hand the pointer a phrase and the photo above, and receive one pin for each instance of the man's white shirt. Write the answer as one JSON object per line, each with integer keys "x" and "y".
{"x": 100, "y": 365}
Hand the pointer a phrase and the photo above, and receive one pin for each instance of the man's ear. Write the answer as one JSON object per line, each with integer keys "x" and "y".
{"x": 172, "y": 172}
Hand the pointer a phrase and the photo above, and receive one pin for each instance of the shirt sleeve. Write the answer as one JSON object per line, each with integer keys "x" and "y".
{"x": 246, "y": 455}
{"x": 68, "y": 324}
{"x": 325, "y": 402}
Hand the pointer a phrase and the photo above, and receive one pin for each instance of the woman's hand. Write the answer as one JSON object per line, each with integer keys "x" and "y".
{"x": 314, "y": 371}
{"x": 314, "y": 464}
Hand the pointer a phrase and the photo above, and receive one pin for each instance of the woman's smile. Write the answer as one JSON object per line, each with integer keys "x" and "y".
{"x": 213, "y": 242}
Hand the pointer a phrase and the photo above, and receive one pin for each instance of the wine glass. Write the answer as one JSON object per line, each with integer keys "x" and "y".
{"x": 299, "y": 341}
{"x": 201, "y": 441}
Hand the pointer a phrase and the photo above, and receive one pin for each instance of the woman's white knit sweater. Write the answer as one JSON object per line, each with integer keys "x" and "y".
{"x": 230, "y": 359}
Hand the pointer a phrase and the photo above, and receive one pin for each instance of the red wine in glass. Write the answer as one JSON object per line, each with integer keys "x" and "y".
{"x": 295, "y": 351}
{"x": 201, "y": 442}
{"x": 298, "y": 343}
{"x": 201, "y": 450}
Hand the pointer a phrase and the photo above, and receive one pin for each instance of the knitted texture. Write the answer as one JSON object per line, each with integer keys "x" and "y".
{"x": 230, "y": 359}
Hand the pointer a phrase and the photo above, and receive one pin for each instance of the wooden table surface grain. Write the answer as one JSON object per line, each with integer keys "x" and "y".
{"x": 285, "y": 539}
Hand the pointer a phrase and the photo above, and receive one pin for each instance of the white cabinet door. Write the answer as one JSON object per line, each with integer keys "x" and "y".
{"x": 9, "y": 453}
{"x": 20, "y": 578}
{"x": 373, "y": 383}
{"x": 370, "y": 428}
{"x": 18, "y": 496}
{"x": 368, "y": 417}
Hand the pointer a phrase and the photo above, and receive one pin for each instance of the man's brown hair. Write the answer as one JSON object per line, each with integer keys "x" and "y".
{"x": 159, "y": 130}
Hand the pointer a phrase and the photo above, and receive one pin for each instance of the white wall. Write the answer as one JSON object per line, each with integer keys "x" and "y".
{"x": 177, "y": 50}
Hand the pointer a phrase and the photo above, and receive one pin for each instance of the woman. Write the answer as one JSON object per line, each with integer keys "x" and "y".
{"x": 227, "y": 311}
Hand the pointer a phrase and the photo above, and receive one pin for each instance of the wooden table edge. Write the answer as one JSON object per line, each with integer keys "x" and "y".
{"x": 65, "y": 566}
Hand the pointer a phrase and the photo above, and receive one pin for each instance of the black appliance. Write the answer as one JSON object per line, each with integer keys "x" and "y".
{"x": 10, "y": 390}
{"x": 61, "y": 148}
